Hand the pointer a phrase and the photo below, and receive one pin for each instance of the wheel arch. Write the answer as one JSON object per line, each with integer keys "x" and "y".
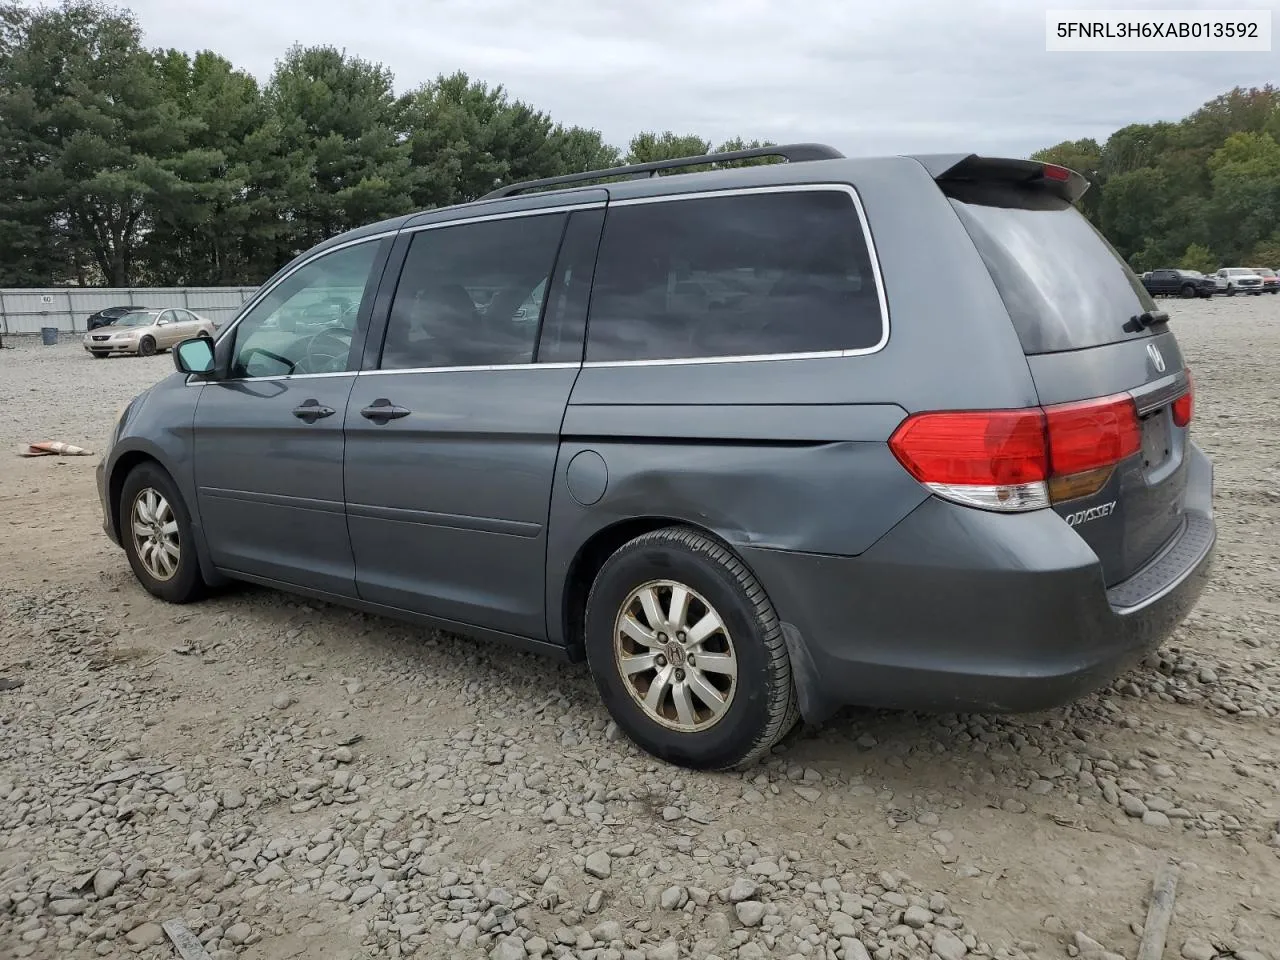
{"x": 591, "y": 556}
{"x": 123, "y": 464}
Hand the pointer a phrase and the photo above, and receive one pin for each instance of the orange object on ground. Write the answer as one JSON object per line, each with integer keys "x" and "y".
{"x": 53, "y": 448}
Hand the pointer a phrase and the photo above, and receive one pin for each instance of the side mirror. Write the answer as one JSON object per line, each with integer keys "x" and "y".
{"x": 194, "y": 356}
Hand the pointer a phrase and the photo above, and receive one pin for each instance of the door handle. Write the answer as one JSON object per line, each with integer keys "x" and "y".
{"x": 310, "y": 411}
{"x": 383, "y": 410}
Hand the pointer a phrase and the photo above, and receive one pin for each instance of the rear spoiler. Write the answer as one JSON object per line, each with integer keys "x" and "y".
{"x": 960, "y": 167}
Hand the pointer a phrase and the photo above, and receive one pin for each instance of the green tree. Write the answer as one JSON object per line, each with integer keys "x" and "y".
{"x": 87, "y": 99}
{"x": 737, "y": 143}
{"x": 1246, "y": 192}
{"x": 647, "y": 147}
{"x": 1130, "y": 214}
{"x": 1198, "y": 257}
{"x": 213, "y": 232}
{"x": 337, "y": 122}
{"x": 466, "y": 138}
{"x": 582, "y": 149}
{"x": 30, "y": 250}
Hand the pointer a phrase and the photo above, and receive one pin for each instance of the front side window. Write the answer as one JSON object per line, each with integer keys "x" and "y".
{"x": 754, "y": 274}
{"x": 307, "y": 322}
{"x": 472, "y": 294}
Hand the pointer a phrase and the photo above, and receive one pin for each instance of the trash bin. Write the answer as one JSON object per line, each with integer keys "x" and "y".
{"x": 49, "y": 335}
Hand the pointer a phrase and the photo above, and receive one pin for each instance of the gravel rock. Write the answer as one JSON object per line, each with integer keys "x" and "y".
{"x": 948, "y": 946}
{"x": 105, "y": 882}
{"x": 509, "y": 948}
{"x": 599, "y": 865}
{"x": 917, "y": 917}
{"x": 673, "y": 898}
{"x": 1196, "y": 949}
{"x": 145, "y": 934}
{"x": 750, "y": 912}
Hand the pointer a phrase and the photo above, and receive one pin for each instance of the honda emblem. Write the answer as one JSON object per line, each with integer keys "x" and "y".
{"x": 1156, "y": 357}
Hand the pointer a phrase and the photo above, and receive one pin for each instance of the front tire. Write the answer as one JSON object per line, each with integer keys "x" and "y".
{"x": 688, "y": 653}
{"x": 155, "y": 528}
{"x": 1188, "y": 291}
{"x": 1231, "y": 291}
{"x": 146, "y": 347}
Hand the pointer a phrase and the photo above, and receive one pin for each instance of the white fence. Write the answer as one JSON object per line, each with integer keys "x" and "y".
{"x": 67, "y": 308}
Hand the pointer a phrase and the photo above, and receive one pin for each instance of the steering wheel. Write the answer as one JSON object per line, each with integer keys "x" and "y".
{"x": 326, "y": 352}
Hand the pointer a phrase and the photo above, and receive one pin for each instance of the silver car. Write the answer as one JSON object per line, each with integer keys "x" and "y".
{"x": 145, "y": 332}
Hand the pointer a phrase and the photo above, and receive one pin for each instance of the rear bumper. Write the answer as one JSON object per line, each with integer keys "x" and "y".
{"x": 958, "y": 609}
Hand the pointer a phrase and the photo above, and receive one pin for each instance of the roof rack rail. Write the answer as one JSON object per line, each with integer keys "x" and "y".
{"x": 791, "y": 152}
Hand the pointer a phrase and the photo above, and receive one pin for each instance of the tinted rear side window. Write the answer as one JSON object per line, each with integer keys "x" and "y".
{"x": 741, "y": 275}
{"x": 1064, "y": 286}
{"x": 471, "y": 294}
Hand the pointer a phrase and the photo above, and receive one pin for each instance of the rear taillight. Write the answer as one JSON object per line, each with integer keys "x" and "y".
{"x": 1014, "y": 460}
{"x": 1184, "y": 406}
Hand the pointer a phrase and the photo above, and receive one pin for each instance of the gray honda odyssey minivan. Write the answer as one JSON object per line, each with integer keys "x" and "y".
{"x": 755, "y": 442}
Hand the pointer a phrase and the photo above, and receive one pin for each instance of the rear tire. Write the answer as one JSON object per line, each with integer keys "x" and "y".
{"x": 1188, "y": 291}
{"x": 155, "y": 528}
{"x": 680, "y": 581}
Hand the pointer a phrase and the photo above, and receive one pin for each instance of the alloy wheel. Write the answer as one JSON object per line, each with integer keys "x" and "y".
{"x": 155, "y": 533}
{"x": 675, "y": 656}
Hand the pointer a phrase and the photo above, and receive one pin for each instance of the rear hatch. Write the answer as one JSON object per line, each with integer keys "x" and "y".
{"x": 1089, "y": 330}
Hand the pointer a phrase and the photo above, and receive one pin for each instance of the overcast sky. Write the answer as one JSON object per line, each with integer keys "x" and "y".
{"x": 869, "y": 76}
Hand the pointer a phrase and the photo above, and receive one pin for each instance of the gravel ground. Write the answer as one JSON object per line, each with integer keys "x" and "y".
{"x": 295, "y": 780}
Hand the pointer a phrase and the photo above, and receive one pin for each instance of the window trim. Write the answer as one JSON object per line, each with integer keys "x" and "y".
{"x": 509, "y": 215}
{"x": 863, "y": 223}
{"x": 466, "y": 221}
{"x": 764, "y": 357}
{"x": 266, "y": 291}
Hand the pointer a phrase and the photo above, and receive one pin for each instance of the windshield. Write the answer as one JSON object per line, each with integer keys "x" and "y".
{"x": 1064, "y": 286}
{"x": 136, "y": 320}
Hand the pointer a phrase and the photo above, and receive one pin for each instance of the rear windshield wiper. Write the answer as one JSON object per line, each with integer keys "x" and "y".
{"x": 1149, "y": 318}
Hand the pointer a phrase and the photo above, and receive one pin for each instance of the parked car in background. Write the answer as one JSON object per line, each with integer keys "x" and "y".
{"x": 109, "y": 315}
{"x": 1169, "y": 282}
{"x": 709, "y": 470}
{"x": 1270, "y": 279}
{"x": 144, "y": 332}
{"x": 1240, "y": 280}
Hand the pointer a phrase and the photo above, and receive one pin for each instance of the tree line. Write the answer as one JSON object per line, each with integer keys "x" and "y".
{"x": 121, "y": 165}
{"x": 1200, "y": 194}
{"x": 127, "y": 166}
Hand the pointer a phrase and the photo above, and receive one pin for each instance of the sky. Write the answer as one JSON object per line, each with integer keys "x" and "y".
{"x": 867, "y": 76}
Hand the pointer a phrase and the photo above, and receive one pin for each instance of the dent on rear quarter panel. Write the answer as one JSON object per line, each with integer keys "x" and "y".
{"x": 810, "y": 479}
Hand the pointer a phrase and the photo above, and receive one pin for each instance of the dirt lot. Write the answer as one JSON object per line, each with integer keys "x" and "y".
{"x": 294, "y": 780}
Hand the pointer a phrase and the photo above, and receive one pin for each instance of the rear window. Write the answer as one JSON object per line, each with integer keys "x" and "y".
{"x": 1064, "y": 285}
{"x": 776, "y": 272}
